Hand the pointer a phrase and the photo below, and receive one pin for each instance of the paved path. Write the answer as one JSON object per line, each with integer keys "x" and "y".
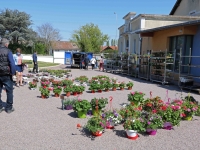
{"x": 39, "y": 124}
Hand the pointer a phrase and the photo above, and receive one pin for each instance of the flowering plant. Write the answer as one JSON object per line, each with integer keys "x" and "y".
{"x": 32, "y": 84}
{"x": 153, "y": 104}
{"x": 44, "y": 91}
{"x": 57, "y": 83}
{"x": 130, "y": 111}
{"x": 67, "y": 82}
{"x": 129, "y": 84}
{"x": 57, "y": 89}
{"x": 136, "y": 98}
{"x": 112, "y": 117}
{"x": 115, "y": 85}
{"x": 99, "y": 103}
{"x": 122, "y": 84}
{"x": 93, "y": 86}
{"x": 67, "y": 89}
{"x": 96, "y": 124}
{"x": 107, "y": 85}
{"x": 153, "y": 121}
{"x": 189, "y": 108}
{"x": 45, "y": 83}
{"x": 81, "y": 105}
{"x": 137, "y": 125}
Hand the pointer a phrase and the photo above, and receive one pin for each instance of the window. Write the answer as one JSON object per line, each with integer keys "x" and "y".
{"x": 134, "y": 46}
{"x": 181, "y": 44}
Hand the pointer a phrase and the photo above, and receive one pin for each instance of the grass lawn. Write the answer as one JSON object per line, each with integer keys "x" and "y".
{"x": 40, "y": 63}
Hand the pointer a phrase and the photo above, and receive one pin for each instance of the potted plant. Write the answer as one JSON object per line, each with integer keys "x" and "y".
{"x": 112, "y": 118}
{"x": 122, "y": 85}
{"x": 152, "y": 123}
{"x": 96, "y": 125}
{"x": 114, "y": 86}
{"x": 107, "y": 86}
{"x": 32, "y": 85}
{"x": 75, "y": 90}
{"x": 133, "y": 126}
{"x": 136, "y": 98}
{"x": 45, "y": 83}
{"x": 130, "y": 111}
{"x": 67, "y": 82}
{"x": 100, "y": 87}
{"x": 67, "y": 90}
{"x": 57, "y": 83}
{"x": 44, "y": 92}
{"x": 68, "y": 103}
{"x": 153, "y": 104}
{"x": 97, "y": 105}
{"x": 129, "y": 85}
{"x": 57, "y": 90}
{"x": 81, "y": 107}
{"x": 93, "y": 87}
{"x": 80, "y": 89}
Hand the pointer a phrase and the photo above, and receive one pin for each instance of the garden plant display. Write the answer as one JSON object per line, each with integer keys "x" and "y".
{"x": 44, "y": 91}
{"x": 68, "y": 103}
{"x": 112, "y": 118}
{"x": 32, "y": 85}
{"x": 81, "y": 107}
{"x": 129, "y": 85}
{"x": 45, "y": 83}
{"x": 98, "y": 104}
{"x": 57, "y": 90}
{"x": 136, "y": 98}
{"x": 122, "y": 85}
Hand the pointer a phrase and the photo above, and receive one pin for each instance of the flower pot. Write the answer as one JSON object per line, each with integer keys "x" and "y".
{"x": 68, "y": 107}
{"x": 100, "y": 91}
{"x": 109, "y": 127}
{"x": 80, "y": 93}
{"x": 82, "y": 114}
{"x": 75, "y": 93}
{"x": 151, "y": 131}
{"x": 56, "y": 95}
{"x": 106, "y": 90}
{"x": 121, "y": 88}
{"x": 114, "y": 89}
{"x": 43, "y": 96}
{"x": 167, "y": 126}
{"x": 96, "y": 112}
{"x": 98, "y": 133}
{"x": 132, "y": 134}
{"x": 188, "y": 118}
{"x": 129, "y": 88}
{"x": 92, "y": 91}
{"x": 68, "y": 94}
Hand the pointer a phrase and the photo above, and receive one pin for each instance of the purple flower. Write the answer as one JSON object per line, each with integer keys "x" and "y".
{"x": 149, "y": 123}
{"x": 103, "y": 115}
{"x": 115, "y": 114}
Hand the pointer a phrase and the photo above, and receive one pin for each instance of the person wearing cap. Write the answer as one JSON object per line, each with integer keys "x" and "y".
{"x": 7, "y": 70}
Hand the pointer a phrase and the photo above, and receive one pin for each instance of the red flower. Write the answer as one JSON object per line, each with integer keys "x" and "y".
{"x": 44, "y": 87}
{"x": 154, "y": 111}
{"x": 164, "y": 108}
{"x": 78, "y": 125}
{"x": 149, "y": 104}
{"x": 160, "y": 101}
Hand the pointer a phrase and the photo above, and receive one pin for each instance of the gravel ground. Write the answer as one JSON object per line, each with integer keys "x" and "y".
{"x": 40, "y": 124}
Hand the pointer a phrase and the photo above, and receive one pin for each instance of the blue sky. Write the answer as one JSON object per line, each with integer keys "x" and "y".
{"x": 70, "y": 15}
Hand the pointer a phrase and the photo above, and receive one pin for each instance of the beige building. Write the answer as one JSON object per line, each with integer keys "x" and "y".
{"x": 130, "y": 41}
{"x": 186, "y": 8}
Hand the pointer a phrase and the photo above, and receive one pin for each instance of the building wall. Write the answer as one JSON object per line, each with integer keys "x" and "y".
{"x": 146, "y": 44}
{"x": 136, "y": 24}
{"x": 187, "y": 7}
{"x": 160, "y": 38}
{"x": 159, "y": 23}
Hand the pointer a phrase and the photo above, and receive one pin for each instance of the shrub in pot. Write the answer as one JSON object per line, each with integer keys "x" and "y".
{"x": 98, "y": 104}
{"x": 81, "y": 107}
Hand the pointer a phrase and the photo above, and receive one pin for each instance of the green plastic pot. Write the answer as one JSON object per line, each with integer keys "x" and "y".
{"x": 82, "y": 114}
{"x": 96, "y": 112}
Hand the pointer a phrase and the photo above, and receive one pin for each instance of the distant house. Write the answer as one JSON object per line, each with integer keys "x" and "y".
{"x": 106, "y": 48}
{"x": 60, "y": 50}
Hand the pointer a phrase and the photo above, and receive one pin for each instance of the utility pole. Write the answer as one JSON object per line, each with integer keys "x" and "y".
{"x": 116, "y": 30}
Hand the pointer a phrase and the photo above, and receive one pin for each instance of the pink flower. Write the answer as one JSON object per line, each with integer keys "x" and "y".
{"x": 140, "y": 92}
{"x": 189, "y": 109}
{"x": 194, "y": 109}
{"x": 132, "y": 93}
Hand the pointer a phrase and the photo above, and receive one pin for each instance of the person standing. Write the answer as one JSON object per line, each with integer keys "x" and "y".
{"x": 7, "y": 70}
{"x": 18, "y": 66}
{"x": 35, "y": 63}
{"x": 93, "y": 62}
{"x": 86, "y": 61}
{"x": 101, "y": 64}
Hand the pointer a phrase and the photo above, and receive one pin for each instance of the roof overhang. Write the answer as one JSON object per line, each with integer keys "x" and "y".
{"x": 176, "y": 5}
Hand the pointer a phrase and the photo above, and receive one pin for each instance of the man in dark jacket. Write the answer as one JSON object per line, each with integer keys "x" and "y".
{"x": 35, "y": 67}
{"x": 86, "y": 62}
{"x": 7, "y": 70}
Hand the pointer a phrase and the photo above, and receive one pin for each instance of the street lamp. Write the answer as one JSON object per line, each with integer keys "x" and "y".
{"x": 116, "y": 28}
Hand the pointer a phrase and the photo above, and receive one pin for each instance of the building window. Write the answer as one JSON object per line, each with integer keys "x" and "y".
{"x": 181, "y": 44}
{"x": 134, "y": 46}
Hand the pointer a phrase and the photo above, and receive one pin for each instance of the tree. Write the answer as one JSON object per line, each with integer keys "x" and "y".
{"x": 48, "y": 34}
{"x": 112, "y": 42}
{"x": 107, "y": 43}
{"x": 89, "y": 38}
{"x": 15, "y": 25}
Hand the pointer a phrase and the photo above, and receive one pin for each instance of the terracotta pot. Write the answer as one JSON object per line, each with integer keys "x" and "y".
{"x": 68, "y": 94}
{"x": 106, "y": 90}
{"x": 98, "y": 133}
{"x": 43, "y": 96}
{"x": 93, "y": 91}
{"x": 56, "y": 95}
{"x": 129, "y": 88}
{"x": 75, "y": 93}
{"x": 121, "y": 89}
{"x": 114, "y": 89}
{"x": 80, "y": 92}
{"x": 100, "y": 91}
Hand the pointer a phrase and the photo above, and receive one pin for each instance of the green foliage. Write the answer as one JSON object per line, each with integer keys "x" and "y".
{"x": 32, "y": 84}
{"x": 67, "y": 89}
{"x": 81, "y": 105}
{"x": 67, "y": 82}
{"x": 98, "y": 104}
{"x": 68, "y": 101}
{"x": 107, "y": 85}
{"x": 57, "y": 89}
{"x": 137, "y": 125}
{"x": 44, "y": 91}
{"x": 40, "y": 48}
{"x": 129, "y": 84}
{"x": 95, "y": 124}
{"x": 136, "y": 97}
{"x": 153, "y": 121}
{"x": 122, "y": 85}
{"x": 89, "y": 38}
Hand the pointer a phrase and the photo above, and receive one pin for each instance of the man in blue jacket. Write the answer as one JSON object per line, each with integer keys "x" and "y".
{"x": 35, "y": 67}
{"x": 7, "y": 70}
